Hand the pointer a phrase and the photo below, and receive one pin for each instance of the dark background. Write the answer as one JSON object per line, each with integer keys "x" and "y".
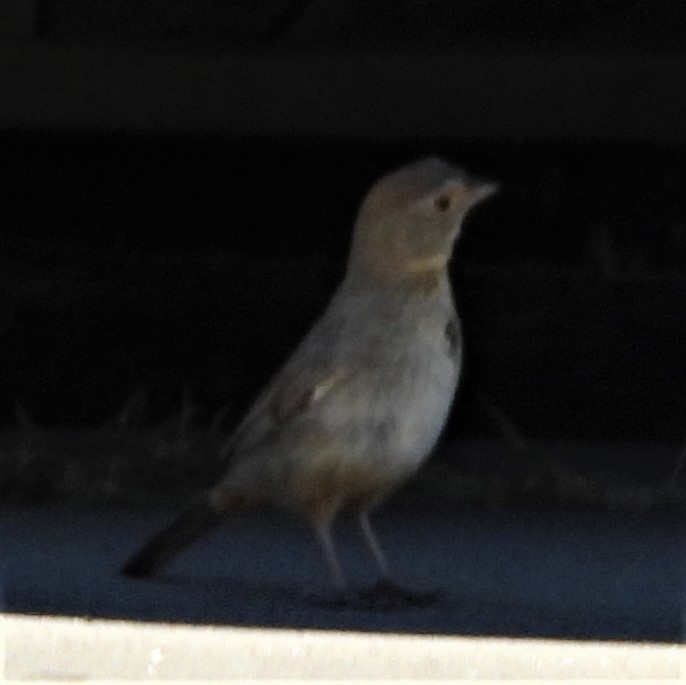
{"x": 178, "y": 185}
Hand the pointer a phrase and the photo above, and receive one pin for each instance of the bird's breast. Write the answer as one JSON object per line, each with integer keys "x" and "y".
{"x": 420, "y": 395}
{"x": 397, "y": 410}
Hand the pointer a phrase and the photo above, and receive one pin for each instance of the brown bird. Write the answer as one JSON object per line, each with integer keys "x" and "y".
{"x": 362, "y": 401}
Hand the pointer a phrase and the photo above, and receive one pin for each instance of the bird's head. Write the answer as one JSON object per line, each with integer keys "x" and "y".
{"x": 409, "y": 220}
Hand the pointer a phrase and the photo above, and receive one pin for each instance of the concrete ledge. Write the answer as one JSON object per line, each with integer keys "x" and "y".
{"x": 57, "y": 649}
{"x": 381, "y": 96}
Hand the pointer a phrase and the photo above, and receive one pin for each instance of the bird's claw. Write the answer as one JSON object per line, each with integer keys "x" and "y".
{"x": 385, "y": 594}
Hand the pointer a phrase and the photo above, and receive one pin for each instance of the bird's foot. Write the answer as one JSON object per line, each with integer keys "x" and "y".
{"x": 385, "y": 594}
{"x": 388, "y": 594}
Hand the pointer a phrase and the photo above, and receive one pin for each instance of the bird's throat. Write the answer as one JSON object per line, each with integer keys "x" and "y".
{"x": 423, "y": 265}
{"x": 422, "y": 273}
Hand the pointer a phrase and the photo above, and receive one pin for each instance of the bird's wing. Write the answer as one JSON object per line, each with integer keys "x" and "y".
{"x": 295, "y": 398}
{"x": 324, "y": 363}
{"x": 289, "y": 396}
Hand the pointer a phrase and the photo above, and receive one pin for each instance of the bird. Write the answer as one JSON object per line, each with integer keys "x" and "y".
{"x": 360, "y": 404}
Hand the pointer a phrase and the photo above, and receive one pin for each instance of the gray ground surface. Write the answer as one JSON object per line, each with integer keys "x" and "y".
{"x": 571, "y": 575}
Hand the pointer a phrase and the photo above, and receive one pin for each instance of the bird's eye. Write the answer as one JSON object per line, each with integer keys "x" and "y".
{"x": 442, "y": 203}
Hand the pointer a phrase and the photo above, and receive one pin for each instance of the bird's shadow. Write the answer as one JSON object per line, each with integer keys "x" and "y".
{"x": 376, "y": 597}
{"x": 284, "y": 605}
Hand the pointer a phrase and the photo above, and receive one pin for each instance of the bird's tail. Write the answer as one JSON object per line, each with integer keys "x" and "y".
{"x": 192, "y": 524}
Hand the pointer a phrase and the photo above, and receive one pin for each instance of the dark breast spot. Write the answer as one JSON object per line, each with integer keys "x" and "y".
{"x": 453, "y": 336}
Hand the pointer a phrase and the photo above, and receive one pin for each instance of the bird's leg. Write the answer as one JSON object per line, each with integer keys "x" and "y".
{"x": 386, "y": 592}
{"x": 344, "y": 597}
{"x": 325, "y": 538}
{"x": 373, "y": 544}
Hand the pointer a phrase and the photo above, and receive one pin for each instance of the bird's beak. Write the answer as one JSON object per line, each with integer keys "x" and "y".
{"x": 480, "y": 190}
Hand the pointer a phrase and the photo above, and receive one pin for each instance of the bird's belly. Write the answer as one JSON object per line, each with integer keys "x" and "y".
{"x": 397, "y": 427}
{"x": 378, "y": 441}
{"x": 368, "y": 437}
{"x": 417, "y": 416}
